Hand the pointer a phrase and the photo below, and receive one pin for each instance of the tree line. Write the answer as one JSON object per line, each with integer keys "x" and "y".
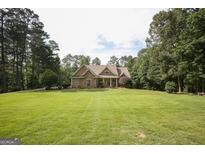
{"x": 174, "y": 57}
{"x": 26, "y": 50}
{"x": 175, "y": 52}
{"x": 173, "y": 60}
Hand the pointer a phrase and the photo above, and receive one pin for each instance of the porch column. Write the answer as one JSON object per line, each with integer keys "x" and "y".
{"x": 110, "y": 82}
{"x": 71, "y": 83}
{"x": 96, "y": 83}
{"x": 116, "y": 83}
{"x": 103, "y": 82}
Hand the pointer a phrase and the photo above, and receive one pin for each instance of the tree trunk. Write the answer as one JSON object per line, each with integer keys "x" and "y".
{"x": 21, "y": 76}
{"x": 26, "y": 73}
{"x": 179, "y": 84}
{"x": 4, "y": 76}
{"x": 22, "y": 67}
{"x": 17, "y": 70}
{"x": 13, "y": 65}
{"x": 23, "y": 55}
{"x": 32, "y": 72}
{"x": 197, "y": 86}
{"x": 186, "y": 89}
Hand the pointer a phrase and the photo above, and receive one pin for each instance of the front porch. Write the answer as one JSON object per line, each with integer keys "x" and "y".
{"x": 106, "y": 82}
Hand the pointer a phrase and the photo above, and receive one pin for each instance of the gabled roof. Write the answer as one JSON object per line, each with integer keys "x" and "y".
{"x": 123, "y": 70}
{"x": 98, "y": 69}
{"x": 87, "y": 71}
{"x": 86, "y": 66}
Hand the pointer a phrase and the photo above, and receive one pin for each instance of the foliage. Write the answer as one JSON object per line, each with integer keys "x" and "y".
{"x": 129, "y": 84}
{"x": 26, "y": 50}
{"x": 175, "y": 52}
{"x": 123, "y": 81}
{"x": 48, "y": 78}
{"x": 114, "y": 61}
{"x": 75, "y": 61}
{"x": 65, "y": 76}
{"x": 170, "y": 86}
{"x": 96, "y": 61}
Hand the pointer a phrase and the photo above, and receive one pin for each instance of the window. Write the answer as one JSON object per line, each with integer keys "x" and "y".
{"x": 88, "y": 83}
{"x": 107, "y": 72}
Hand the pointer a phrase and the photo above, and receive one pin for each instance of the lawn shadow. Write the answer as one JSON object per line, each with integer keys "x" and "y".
{"x": 85, "y": 90}
{"x": 66, "y": 90}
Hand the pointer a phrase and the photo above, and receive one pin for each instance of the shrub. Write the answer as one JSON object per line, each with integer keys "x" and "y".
{"x": 129, "y": 84}
{"x": 59, "y": 87}
{"x": 170, "y": 86}
{"x": 65, "y": 86}
{"x": 64, "y": 78}
{"x": 48, "y": 78}
{"x": 125, "y": 82}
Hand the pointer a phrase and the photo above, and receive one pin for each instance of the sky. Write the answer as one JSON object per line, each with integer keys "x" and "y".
{"x": 98, "y": 32}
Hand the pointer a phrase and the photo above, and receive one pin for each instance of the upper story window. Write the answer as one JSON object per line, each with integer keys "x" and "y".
{"x": 107, "y": 72}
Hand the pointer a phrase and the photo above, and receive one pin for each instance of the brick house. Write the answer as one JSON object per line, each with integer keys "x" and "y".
{"x": 94, "y": 76}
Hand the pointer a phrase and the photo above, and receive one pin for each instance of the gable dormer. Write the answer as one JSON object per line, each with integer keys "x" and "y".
{"x": 106, "y": 71}
{"x": 82, "y": 71}
{"x": 88, "y": 74}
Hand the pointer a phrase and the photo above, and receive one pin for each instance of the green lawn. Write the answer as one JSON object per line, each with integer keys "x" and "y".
{"x": 102, "y": 116}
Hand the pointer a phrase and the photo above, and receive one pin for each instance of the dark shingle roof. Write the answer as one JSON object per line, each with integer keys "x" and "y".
{"x": 97, "y": 69}
{"x": 123, "y": 70}
{"x": 117, "y": 71}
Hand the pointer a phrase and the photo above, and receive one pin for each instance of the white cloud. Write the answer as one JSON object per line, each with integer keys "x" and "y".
{"x": 77, "y": 31}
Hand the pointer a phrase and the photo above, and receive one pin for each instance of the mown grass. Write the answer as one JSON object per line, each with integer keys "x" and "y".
{"x": 102, "y": 116}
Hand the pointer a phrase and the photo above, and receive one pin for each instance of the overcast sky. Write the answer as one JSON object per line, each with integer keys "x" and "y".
{"x": 98, "y": 32}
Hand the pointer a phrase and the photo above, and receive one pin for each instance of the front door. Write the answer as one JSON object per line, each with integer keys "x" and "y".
{"x": 107, "y": 82}
{"x": 88, "y": 83}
